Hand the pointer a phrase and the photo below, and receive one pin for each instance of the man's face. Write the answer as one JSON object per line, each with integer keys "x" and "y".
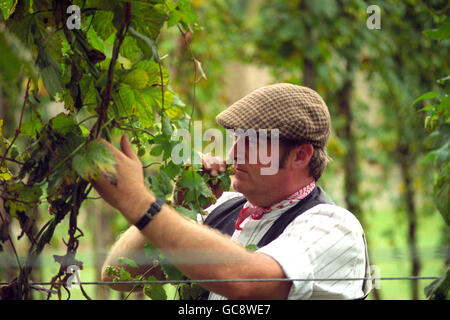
{"x": 254, "y": 165}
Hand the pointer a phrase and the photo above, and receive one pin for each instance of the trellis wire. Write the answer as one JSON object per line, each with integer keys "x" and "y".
{"x": 144, "y": 282}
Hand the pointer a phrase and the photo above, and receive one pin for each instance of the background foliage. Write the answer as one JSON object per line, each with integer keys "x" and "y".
{"x": 150, "y": 67}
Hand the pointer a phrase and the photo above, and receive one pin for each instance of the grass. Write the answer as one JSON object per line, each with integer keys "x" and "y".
{"x": 390, "y": 253}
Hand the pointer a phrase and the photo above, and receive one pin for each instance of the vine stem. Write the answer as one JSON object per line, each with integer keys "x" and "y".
{"x": 120, "y": 35}
{"x": 162, "y": 93}
{"x": 135, "y": 286}
{"x": 13, "y": 247}
{"x": 194, "y": 97}
{"x": 16, "y": 134}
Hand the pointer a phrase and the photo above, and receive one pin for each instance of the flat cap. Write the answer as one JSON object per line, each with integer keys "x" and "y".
{"x": 299, "y": 113}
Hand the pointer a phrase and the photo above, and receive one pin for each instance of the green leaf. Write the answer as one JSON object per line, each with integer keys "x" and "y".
{"x": 130, "y": 48}
{"x": 124, "y": 275}
{"x": 150, "y": 251}
{"x": 426, "y": 96}
{"x": 5, "y": 175}
{"x": 441, "y": 33}
{"x": 171, "y": 169}
{"x": 442, "y": 155}
{"x": 63, "y": 123}
{"x": 428, "y": 108}
{"x": 137, "y": 79}
{"x": 439, "y": 289}
{"x": 252, "y": 247}
{"x": 191, "y": 291}
{"x": 31, "y": 127}
{"x": 7, "y": 8}
{"x": 127, "y": 102}
{"x": 102, "y": 23}
{"x": 138, "y": 102}
{"x": 50, "y": 72}
{"x": 148, "y": 19}
{"x": 155, "y": 94}
{"x": 27, "y": 197}
{"x": 167, "y": 128}
{"x": 16, "y": 58}
{"x": 153, "y": 71}
{"x": 155, "y": 291}
{"x": 191, "y": 179}
{"x": 111, "y": 272}
{"x": 96, "y": 157}
{"x": 225, "y": 181}
{"x": 191, "y": 214}
{"x": 324, "y": 8}
{"x": 182, "y": 13}
{"x": 144, "y": 108}
{"x": 101, "y": 156}
{"x": 129, "y": 262}
{"x": 84, "y": 167}
{"x": 157, "y": 150}
{"x": 162, "y": 185}
{"x": 170, "y": 271}
{"x": 146, "y": 44}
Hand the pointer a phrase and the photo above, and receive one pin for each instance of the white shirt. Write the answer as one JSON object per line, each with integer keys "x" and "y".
{"x": 324, "y": 242}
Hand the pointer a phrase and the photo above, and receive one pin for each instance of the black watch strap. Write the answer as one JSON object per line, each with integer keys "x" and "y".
{"x": 151, "y": 212}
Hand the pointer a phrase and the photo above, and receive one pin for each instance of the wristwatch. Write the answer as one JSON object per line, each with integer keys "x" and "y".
{"x": 149, "y": 214}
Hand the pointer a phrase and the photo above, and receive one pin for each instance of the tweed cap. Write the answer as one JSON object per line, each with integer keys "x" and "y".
{"x": 299, "y": 113}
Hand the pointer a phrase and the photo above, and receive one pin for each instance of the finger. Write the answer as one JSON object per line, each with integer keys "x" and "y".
{"x": 219, "y": 164}
{"x": 127, "y": 148}
{"x": 116, "y": 152}
{"x": 206, "y": 163}
{"x": 219, "y": 161}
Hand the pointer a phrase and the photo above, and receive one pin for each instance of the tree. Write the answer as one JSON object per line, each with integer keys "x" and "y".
{"x": 100, "y": 59}
{"x": 437, "y": 124}
{"x": 400, "y": 75}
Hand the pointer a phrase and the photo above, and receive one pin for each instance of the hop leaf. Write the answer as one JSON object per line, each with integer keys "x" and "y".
{"x": 128, "y": 262}
{"x": 155, "y": 291}
{"x": 97, "y": 157}
{"x": 137, "y": 79}
{"x": 83, "y": 167}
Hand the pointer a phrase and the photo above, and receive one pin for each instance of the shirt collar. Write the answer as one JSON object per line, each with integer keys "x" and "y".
{"x": 256, "y": 212}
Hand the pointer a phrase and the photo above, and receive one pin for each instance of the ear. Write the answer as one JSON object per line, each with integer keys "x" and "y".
{"x": 303, "y": 154}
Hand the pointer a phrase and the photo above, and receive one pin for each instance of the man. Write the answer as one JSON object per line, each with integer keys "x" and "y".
{"x": 299, "y": 233}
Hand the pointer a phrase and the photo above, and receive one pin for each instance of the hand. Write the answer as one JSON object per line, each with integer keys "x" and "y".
{"x": 213, "y": 166}
{"x": 129, "y": 195}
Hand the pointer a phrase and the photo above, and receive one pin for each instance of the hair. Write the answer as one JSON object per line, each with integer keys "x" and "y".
{"x": 317, "y": 163}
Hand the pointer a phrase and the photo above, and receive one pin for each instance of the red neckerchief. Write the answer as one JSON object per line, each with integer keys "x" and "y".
{"x": 256, "y": 212}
